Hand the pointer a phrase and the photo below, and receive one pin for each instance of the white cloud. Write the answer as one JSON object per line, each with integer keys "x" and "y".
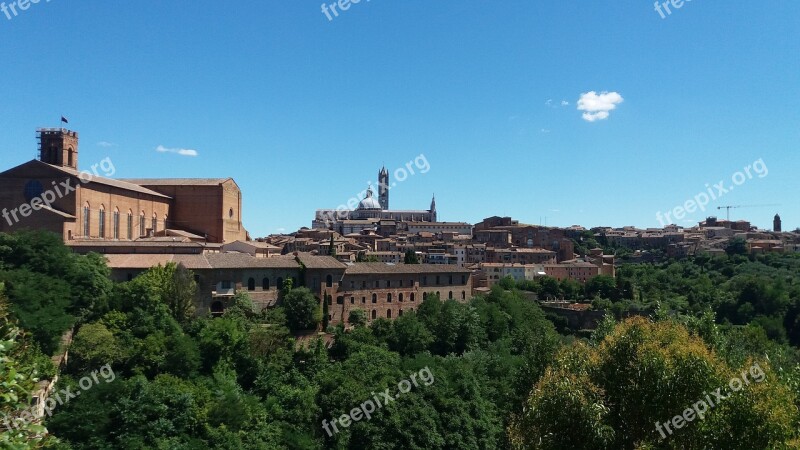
{"x": 598, "y": 107}
{"x": 179, "y": 151}
{"x": 564, "y": 103}
{"x": 106, "y": 144}
{"x": 549, "y": 102}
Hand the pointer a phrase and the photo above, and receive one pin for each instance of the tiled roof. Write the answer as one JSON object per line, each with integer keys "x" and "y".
{"x": 107, "y": 181}
{"x": 320, "y": 262}
{"x": 177, "y": 181}
{"x": 378, "y": 268}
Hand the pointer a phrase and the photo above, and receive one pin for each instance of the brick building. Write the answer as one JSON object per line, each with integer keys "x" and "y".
{"x": 50, "y": 193}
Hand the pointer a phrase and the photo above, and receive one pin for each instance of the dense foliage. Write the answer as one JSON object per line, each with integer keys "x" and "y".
{"x": 500, "y": 375}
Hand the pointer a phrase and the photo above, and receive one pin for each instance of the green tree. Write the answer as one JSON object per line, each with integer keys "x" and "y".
{"x": 302, "y": 309}
{"x": 411, "y": 257}
{"x": 17, "y": 428}
{"x": 357, "y": 318}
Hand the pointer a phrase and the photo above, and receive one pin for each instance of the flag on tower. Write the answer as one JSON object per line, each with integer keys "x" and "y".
{"x": 64, "y": 119}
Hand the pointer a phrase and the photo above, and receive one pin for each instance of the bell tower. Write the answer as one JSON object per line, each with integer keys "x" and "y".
{"x": 383, "y": 188}
{"x": 58, "y": 146}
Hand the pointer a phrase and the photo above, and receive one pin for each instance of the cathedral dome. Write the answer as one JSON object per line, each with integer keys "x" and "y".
{"x": 369, "y": 202}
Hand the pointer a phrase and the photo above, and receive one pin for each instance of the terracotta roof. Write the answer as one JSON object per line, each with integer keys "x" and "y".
{"x": 106, "y": 181}
{"x": 201, "y": 261}
{"x": 320, "y": 262}
{"x": 368, "y": 268}
{"x": 177, "y": 181}
{"x": 142, "y": 261}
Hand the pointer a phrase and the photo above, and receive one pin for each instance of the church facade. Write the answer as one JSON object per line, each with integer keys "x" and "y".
{"x": 370, "y": 212}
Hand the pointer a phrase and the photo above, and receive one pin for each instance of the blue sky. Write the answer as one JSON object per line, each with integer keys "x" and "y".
{"x": 303, "y": 111}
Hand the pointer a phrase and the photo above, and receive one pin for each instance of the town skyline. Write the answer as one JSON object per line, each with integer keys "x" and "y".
{"x": 521, "y": 111}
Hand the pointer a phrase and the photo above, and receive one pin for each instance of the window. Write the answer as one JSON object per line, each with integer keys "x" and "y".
{"x": 339, "y": 300}
{"x": 412, "y": 296}
{"x": 450, "y": 295}
{"x": 86, "y": 215}
{"x": 388, "y": 283}
{"x": 424, "y": 280}
{"x": 329, "y": 281}
{"x": 69, "y": 158}
{"x": 374, "y": 314}
{"x": 364, "y": 284}
{"x": 463, "y": 279}
{"x": 226, "y": 285}
{"x": 102, "y": 221}
{"x": 251, "y": 284}
{"x": 130, "y": 226}
{"x": 463, "y": 295}
{"x": 352, "y": 284}
{"x": 400, "y": 313}
{"x": 166, "y": 221}
{"x": 377, "y": 284}
{"x": 388, "y": 313}
{"x": 450, "y": 280}
{"x": 389, "y": 298}
{"x": 265, "y": 284}
{"x": 142, "y": 226}
{"x": 352, "y": 300}
{"x": 401, "y": 283}
{"x": 374, "y": 298}
{"x": 424, "y": 296}
{"x": 116, "y": 224}
{"x": 330, "y": 299}
{"x": 438, "y": 281}
{"x": 363, "y": 299}
{"x": 400, "y": 297}
{"x": 155, "y": 223}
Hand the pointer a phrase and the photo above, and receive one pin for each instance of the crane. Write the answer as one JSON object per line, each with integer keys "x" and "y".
{"x": 729, "y": 207}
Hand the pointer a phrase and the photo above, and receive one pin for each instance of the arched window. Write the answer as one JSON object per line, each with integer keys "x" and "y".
{"x": 155, "y": 223}
{"x": 329, "y": 281}
{"x": 412, "y": 297}
{"x": 70, "y": 158}
{"x": 142, "y": 226}
{"x": 166, "y": 221}
{"x": 463, "y": 295}
{"x": 130, "y": 225}
{"x": 374, "y": 314}
{"x": 400, "y": 313}
{"x": 389, "y": 297}
{"x": 400, "y": 297}
{"x": 116, "y": 223}
{"x": 388, "y": 313}
{"x": 86, "y": 219}
{"x": 374, "y": 298}
{"x": 102, "y": 221}
{"x": 450, "y": 295}
{"x": 251, "y": 284}
{"x": 265, "y": 284}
